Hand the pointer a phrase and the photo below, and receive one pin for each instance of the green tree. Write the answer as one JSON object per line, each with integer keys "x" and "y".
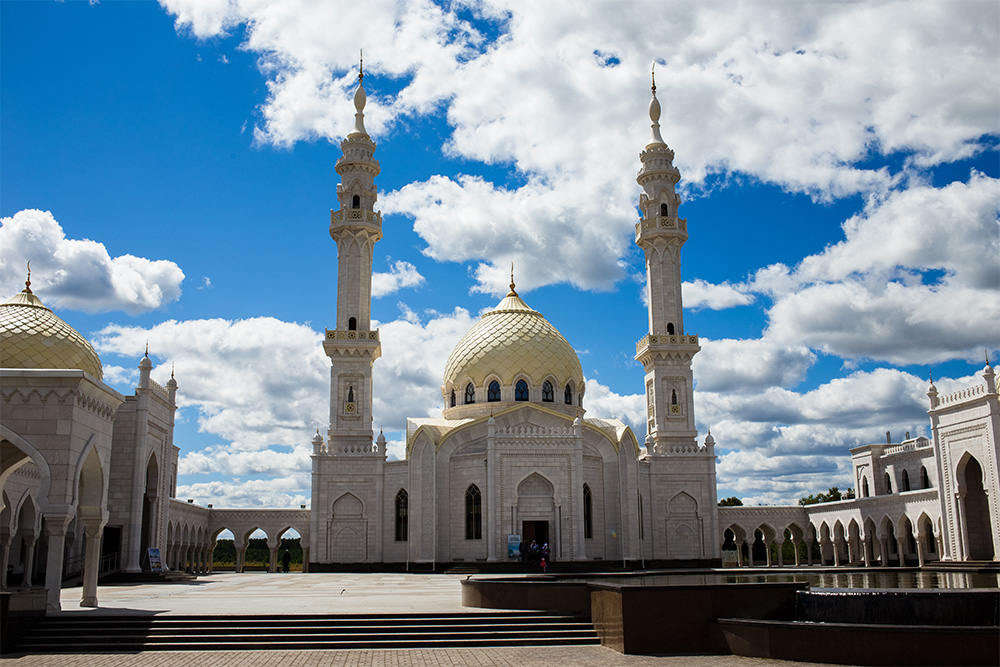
{"x": 830, "y": 496}
{"x": 731, "y": 501}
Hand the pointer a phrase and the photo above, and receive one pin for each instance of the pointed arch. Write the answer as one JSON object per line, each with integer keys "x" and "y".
{"x": 15, "y": 452}
{"x": 588, "y": 513}
{"x": 521, "y": 392}
{"x": 402, "y": 507}
{"x": 473, "y": 513}
{"x": 548, "y": 393}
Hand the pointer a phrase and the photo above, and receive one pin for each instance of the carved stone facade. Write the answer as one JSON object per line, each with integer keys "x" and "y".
{"x": 513, "y": 453}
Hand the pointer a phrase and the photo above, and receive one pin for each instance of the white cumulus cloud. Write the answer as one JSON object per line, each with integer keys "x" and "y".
{"x": 79, "y": 274}
{"x": 400, "y": 276}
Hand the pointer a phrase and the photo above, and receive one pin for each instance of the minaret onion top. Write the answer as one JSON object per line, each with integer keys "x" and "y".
{"x": 359, "y": 104}
{"x": 654, "y": 113}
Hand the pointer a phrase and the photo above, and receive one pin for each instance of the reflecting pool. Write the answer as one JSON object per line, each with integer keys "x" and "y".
{"x": 855, "y": 579}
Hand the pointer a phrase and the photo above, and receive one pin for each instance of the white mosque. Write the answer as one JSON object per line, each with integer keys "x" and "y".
{"x": 89, "y": 475}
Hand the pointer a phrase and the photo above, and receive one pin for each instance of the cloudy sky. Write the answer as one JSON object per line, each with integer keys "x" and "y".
{"x": 168, "y": 170}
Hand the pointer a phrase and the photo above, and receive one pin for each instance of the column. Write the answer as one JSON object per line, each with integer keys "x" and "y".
{"x": 836, "y": 552}
{"x": 884, "y": 545}
{"x": 899, "y": 551}
{"x": 809, "y": 551}
{"x": 739, "y": 552}
{"x": 272, "y": 565}
{"x": 5, "y": 540}
{"x": 56, "y": 524}
{"x": 798, "y": 556}
{"x": 865, "y": 548}
{"x": 211, "y": 557}
{"x": 781, "y": 552}
{"x": 920, "y": 550}
{"x": 750, "y": 551}
{"x": 92, "y": 562}
{"x": 768, "y": 545}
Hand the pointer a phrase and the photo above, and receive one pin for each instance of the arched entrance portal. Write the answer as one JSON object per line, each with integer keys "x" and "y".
{"x": 976, "y": 511}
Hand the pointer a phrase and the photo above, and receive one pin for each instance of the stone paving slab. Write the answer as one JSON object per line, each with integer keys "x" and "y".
{"x": 294, "y": 593}
{"x": 550, "y": 656}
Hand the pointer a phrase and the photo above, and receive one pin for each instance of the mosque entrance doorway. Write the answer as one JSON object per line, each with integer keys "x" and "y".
{"x": 537, "y": 531}
{"x": 977, "y": 511}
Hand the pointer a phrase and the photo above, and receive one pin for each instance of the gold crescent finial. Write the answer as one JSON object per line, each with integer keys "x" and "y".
{"x": 652, "y": 74}
{"x": 27, "y": 283}
{"x": 171, "y": 371}
{"x": 361, "y": 68}
{"x": 512, "y": 292}
{"x": 147, "y": 347}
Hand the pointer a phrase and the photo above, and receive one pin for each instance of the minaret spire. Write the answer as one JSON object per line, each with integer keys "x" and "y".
{"x": 654, "y": 113}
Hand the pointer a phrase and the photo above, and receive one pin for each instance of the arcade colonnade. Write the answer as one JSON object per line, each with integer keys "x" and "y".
{"x": 193, "y": 530}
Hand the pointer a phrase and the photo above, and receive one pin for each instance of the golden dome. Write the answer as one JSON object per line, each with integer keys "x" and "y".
{"x": 32, "y": 336}
{"x": 509, "y": 340}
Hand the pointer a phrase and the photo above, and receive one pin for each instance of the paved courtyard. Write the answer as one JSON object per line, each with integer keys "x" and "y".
{"x": 333, "y": 593}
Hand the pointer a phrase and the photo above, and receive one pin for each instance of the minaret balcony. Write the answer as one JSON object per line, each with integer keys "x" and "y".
{"x": 352, "y": 343}
{"x": 357, "y": 219}
{"x": 667, "y": 344}
{"x": 661, "y": 223}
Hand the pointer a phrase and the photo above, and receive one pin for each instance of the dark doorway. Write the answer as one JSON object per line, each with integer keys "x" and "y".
{"x": 977, "y": 512}
{"x": 111, "y": 547}
{"x": 537, "y": 531}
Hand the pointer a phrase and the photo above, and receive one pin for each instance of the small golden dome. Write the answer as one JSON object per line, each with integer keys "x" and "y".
{"x": 509, "y": 340}
{"x": 32, "y": 336}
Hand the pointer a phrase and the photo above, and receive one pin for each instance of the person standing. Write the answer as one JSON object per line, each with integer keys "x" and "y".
{"x": 286, "y": 560}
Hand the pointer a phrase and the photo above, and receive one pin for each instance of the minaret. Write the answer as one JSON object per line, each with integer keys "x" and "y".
{"x": 666, "y": 352}
{"x": 353, "y": 347}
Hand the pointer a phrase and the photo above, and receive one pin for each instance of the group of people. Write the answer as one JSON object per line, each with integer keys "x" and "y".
{"x": 533, "y": 554}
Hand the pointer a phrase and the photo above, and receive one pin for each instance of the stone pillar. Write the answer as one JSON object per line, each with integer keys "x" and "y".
{"x": 850, "y": 551}
{"x": 750, "y": 551}
{"x": 884, "y": 545}
{"x": 900, "y": 552}
{"x": 491, "y": 514}
{"x": 56, "y": 523}
{"x": 798, "y": 556}
{"x": 768, "y": 545}
{"x": 92, "y": 562}
{"x": 305, "y": 558}
{"x": 781, "y": 552}
{"x": 739, "y": 552}
{"x": 241, "y": 554}
{"x": 920, "y": 550}
{"x": 865, "y": 547}
{"x": 211, "y": 557}
{"x": 29, "y": 558}
{"x": 272, "y": 564}
{"x": 836, "y": 552}
{"x": 5, "y": 541}
{"x": 576, "y": 490}
{"x": 809, "y": 551}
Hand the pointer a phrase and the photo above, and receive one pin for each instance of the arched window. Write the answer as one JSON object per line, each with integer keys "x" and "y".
{"x": 470, "y": 394}
{"x": 888, "y": 483}
{"x": 568, "y": 395}
{"x": 664, "y": 211}
{"x": 548, "y": 395}
{"x": 670, "y": 328}
{"x": 925, "y": 481}
{"x": 473, "y": 513}
{"x": 521, "y": 391}
{"x": 493, "y": 393}
{"x": 864, "y": 487}
{"x": 673, "y": 397}
{"x": 356, "y": 201}
{"x": 588, "y": 513}
{"x": 642, "y": 532}
{"x": 352, "y": 324}
{"x": 452, "y": 398}
{"x": 402, "y": 521}
{"x": 350, "y": 394}
{"x": 905, "y": 482}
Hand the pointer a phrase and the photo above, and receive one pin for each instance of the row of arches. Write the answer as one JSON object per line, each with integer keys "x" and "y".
{"x": 886, "y": 543}
{"x": 521, "y": 391}
{"x": 191, "y": 548}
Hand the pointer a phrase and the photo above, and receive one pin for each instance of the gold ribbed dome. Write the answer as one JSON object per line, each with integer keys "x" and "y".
{"x": 32, "y": 336}
{"x": 511, "y": 339}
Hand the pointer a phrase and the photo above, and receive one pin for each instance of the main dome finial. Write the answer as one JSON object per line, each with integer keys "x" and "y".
{"x": 27, "y": 283}
{"x": 512, "y": 292}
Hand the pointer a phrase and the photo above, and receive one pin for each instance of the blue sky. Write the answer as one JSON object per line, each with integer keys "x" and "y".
{"x": 168, "y": 169}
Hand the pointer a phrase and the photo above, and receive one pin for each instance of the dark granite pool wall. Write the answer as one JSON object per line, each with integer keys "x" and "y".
{"x": 681, "y": 619}
{"x": 856, "y": 644}
{"x": 900, "y": 607}
{"x": 571, "y": 598}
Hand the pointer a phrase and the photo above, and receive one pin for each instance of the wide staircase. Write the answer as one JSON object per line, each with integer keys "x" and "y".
{"x": 117, "y": 634}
